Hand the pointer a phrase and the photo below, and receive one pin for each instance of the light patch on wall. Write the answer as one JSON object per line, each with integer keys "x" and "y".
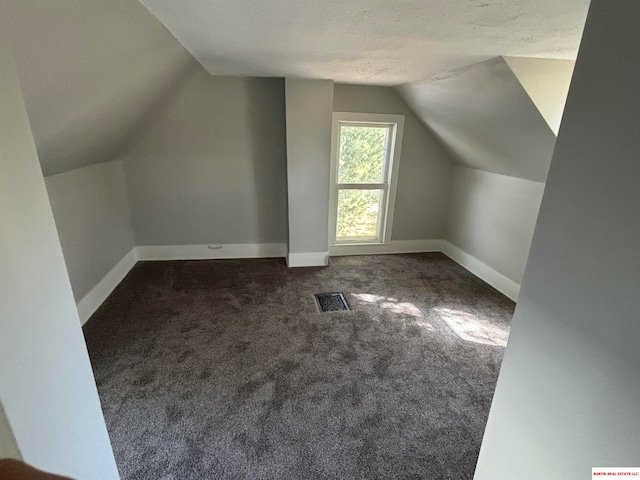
{"x": 473, "y": 328}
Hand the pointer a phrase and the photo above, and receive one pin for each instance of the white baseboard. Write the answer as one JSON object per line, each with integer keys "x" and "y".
{"x": 98, "y": 294}
{"x": 309, "y": 259}
{"x": 395, "y": 246}
{"x": 481, "y": 270}
{"x": 209, "y": 252}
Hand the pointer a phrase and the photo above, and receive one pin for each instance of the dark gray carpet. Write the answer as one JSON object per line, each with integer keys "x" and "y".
{"x": 226, "y": 369}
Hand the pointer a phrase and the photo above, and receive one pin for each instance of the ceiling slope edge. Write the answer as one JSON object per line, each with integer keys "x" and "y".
{"x": 95, "y": 75}
{"x": 546, "y": 81}
{"x": 485, "y": 119}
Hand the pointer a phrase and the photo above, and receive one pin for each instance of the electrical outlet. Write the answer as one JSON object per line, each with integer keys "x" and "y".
{"x": 215, "y": 247}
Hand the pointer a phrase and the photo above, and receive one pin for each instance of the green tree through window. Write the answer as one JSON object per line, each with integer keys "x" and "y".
{"x": 361, "y": 161}
{"x": 362, "y": 151}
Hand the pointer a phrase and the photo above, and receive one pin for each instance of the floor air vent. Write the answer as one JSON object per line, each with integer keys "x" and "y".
{"x": 331, "y": 302}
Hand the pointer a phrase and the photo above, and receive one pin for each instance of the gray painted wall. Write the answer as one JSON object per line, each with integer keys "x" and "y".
{"x": 95, "y": 75}
{"x": 485, "y": 119}
{"x": 91, "y": 210}
{"x": 309, "y": 105}
{"x": 425, "y": 169}
{"x": 213, "y": 169}
{"x": 568, "y": 393}
{"x": 492, "y": 217}
{"x": 46, "y": 383}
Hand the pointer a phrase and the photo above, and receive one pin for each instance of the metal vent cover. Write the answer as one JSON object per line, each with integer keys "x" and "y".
{"x": 331, "y": 302}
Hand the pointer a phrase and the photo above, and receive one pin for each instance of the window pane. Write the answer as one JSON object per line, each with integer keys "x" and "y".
{"x": 358, "y": 213}
{"x": 362, "y": 154}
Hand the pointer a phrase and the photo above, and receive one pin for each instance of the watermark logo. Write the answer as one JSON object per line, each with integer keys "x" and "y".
{"x": 604, "y": 472}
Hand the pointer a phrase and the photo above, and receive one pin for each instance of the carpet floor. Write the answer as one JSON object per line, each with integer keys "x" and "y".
{"x": 226, "y": 369}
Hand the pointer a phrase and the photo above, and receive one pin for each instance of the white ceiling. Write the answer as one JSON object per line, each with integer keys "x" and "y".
{"x": 381, "y": 42}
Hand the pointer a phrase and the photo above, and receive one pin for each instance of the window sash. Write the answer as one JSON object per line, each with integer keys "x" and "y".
{"x": 362, "y": 186}
{"x": 386, "y": 171}
{"x": 394, "y": 125}
{"x": 359, "y": 239}
{"x": 383, "y": 186}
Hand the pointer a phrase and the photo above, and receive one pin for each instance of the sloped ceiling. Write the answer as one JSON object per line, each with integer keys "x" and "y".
{"x": 485, "y": 119}
{"x": 94, "y": 73}
{"x": 97, "y": 73}
{"x": 375, "y": 42}
{"x": 546, "y": 81}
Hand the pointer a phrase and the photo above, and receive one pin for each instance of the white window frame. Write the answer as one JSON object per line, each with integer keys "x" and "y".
{"x": 386, "y": 214}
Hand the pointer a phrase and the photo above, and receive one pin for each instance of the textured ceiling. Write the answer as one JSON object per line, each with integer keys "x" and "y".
{"x": 368, "y": 41}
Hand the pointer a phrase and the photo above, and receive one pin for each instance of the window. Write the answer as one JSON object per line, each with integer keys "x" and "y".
{"x": 364, "y": 166}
